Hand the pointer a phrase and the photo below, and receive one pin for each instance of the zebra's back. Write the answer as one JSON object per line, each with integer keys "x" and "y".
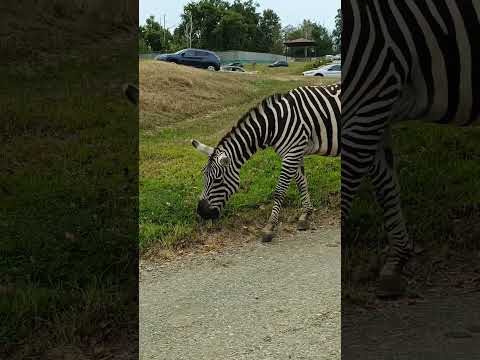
{"x": 317, "y": 110}
{"x": 425, "y": 50}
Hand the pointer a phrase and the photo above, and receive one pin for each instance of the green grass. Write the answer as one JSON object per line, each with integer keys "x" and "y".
{"x": 68, "y": 215}
{"x": 171, "y": 178}
{"x": 438, "y": 169}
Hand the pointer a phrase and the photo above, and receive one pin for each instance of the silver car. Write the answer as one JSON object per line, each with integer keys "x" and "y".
{"x": 330, "y": 70}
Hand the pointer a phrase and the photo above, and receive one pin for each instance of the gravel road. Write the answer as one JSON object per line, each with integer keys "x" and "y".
{"x": 256, "y": 301}
{"x": 437, "y": 328}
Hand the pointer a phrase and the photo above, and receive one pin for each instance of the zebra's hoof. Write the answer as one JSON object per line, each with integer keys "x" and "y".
{"x": 391, "y": 286}
{"x": 267, "y": 236}
{"x": 303, "y": 225}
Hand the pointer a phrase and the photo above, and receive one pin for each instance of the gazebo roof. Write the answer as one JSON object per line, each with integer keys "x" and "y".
{"x": 299, "y": 42}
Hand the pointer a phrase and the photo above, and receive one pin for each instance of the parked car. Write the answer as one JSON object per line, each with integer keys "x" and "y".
{"x": 239, "y": 64}
{"x": 330, "y": 70}
{"x": 199, "y": 58}
{"x": 278, "y": 64}
{"x": 233, "y": 68}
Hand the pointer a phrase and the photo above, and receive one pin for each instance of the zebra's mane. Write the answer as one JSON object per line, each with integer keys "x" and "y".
{"x": 245, "y": 116}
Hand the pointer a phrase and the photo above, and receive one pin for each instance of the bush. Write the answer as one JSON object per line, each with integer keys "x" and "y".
{"x": 316, "y": 64}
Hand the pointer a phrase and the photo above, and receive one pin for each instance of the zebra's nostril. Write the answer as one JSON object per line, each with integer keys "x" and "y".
{"x": 203, "y": 206}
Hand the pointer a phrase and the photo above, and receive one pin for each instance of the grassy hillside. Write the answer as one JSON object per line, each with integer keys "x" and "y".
{"x": 180, "y": 103}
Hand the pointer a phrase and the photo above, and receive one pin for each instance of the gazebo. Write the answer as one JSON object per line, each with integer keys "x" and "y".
{"x": 298, "y": 43}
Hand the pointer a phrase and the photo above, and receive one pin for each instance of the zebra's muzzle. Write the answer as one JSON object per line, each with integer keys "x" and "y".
{"x": 206, "y": 212}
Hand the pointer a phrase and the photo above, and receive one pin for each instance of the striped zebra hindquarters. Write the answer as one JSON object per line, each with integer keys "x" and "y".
{"x": 402, "y": 60}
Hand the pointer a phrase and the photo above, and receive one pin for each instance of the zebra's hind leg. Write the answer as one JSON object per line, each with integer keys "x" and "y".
{"x": 387, "y": 192}
{"x": 289, "y": 169}
{"x": 307, "y": 208}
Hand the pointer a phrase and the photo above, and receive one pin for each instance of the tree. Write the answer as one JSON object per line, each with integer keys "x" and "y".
{"x": 323, "y": 40}
{"x": 337, "y": 32}
{"x": 231, "y": 32}
{"x": 219, "y": 25}
{"x": 269, "y": 38}
{"x": 154, "y": 35}
{"x": 293, "y": 32}
{"x": 248, "y": 10}
{"x": 206, "y": 16}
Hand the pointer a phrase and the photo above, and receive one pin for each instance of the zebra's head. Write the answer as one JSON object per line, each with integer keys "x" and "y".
{"x": 221, "y": 180}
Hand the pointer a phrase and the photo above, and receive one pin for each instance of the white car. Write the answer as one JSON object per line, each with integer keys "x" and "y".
{"x": 330, "y": 70}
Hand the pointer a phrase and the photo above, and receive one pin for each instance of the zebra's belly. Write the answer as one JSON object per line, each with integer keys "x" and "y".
{"x": 315, "y": 148}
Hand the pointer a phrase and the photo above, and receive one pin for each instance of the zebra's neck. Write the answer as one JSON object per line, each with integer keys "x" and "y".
{"x": 249, "y": 135}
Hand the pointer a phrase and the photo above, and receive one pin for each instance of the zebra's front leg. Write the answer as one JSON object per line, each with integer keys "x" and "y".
{"x": 307, "y": 208}
{"x": 387, "y": 193}
{"x": 289, "y": 169}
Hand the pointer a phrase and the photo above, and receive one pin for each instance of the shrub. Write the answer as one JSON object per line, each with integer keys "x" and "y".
{"x": 315, "y": 64}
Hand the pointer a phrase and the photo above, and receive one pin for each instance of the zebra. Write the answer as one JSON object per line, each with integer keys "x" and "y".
{"x": 302, "y": 122}
{"x": 402, "y": 60}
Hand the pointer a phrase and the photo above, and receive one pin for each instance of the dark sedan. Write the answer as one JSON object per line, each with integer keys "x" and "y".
{"x": 193, "y": 57}
{"x": 239, "y": 64}
{"x": 279, "y": 64}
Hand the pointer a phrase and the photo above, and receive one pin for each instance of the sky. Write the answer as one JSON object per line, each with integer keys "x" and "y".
{"x": 290, "y": 12}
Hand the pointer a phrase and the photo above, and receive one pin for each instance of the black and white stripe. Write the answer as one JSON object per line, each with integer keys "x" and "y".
{"x": 402, "y": 59}
{"x": 302, "y": 122}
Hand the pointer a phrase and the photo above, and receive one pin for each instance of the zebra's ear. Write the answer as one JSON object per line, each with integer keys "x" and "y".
{"x": 204, "y": 149}
{"x": 223, "y": 159}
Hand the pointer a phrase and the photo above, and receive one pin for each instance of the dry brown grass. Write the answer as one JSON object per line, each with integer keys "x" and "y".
{"x": 176, "y": 92}
{"x": 173, "y": 93}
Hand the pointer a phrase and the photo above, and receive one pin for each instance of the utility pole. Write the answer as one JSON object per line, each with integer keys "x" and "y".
{"x": 164, "y": 32}
{"x": 191, "y": 29}
{"x": 188, "y": 31}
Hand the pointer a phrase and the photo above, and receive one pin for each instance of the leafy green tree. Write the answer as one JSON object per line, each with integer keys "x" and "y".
{"x": 231, "y": 32}
{"x": 293, "y": 32}
{"x": 323, "y": 40}
{"x": 205, "y": 16}
{"x": 269, "y": 38}
{"x": 154, "y": 35}
{"x": 219, "y": 25}
{"x": 251, "y": 19}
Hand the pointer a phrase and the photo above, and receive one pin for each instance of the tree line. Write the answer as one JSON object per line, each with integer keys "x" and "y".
{"x": 219, "y": 25}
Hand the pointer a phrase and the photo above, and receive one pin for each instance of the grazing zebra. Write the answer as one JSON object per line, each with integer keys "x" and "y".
{"x": 298, "y": 123}
{"x": 402, "y": 59}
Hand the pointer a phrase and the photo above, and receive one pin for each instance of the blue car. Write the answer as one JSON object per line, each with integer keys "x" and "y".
{"x": 199, "y": 58}
{"x": 279, "y": 64}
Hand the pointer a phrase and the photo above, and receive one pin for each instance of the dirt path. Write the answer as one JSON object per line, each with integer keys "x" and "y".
{"x": 256, "y": 301}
